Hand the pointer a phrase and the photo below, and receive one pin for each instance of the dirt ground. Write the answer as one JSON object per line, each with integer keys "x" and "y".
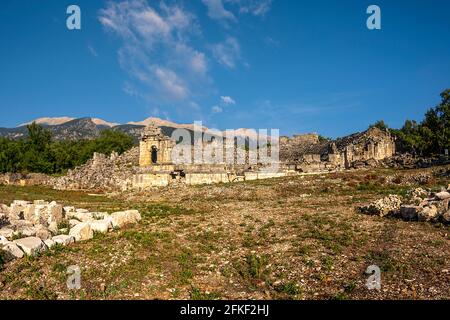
{"x": 288, "y": 238}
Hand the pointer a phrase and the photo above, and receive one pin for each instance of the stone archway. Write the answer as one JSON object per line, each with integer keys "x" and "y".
{"x": 154, "y": 154}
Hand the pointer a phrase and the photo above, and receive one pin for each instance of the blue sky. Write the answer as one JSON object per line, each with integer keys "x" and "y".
{"x": 300, "y": 66}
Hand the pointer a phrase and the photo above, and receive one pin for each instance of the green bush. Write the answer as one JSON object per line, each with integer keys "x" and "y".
{"x": 432, "y": 135}
{"x": 39, "y": 153}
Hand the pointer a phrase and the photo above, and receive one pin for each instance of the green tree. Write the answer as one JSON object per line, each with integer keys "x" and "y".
{"x": 380, "y": 124}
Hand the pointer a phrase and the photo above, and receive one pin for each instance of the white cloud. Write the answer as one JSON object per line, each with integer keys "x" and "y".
{"x": 156, "y": 49}
{"x": 216, "y": 109}
{"x": 217, "y": 11}
{"x": 92, "y": 51}
{"x": 255, "y": 7}
{"x": 171, "y": 83}
{"x": 228, "y": 52}
{"x": 227, "y": 100}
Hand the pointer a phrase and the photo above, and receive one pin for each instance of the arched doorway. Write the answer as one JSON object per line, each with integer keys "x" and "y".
{"x": 154, "y": 154}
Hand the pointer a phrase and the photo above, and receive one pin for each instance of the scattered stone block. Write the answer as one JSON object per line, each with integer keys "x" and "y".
{"x": 63, "y": 239}
{"x": 443, "y": 195}
{"x": 3, "y": 240}
{"x": 53, "y": 227}
{"x": 32, "y": 246}
{"x": 29, "y": 213}
{"x": 43, "y": 233}
{"x": 25, "y": 231}
{"x": 55, "y": 213}
{"x": 12, "y": 251}
{"x": 73, "y": 222}
{"x": 122, "y": 218}
{"x": 382, "y": 207}
{"x": 49, "y": 243}
{"x": 101, "y": 226}
{"x": 81, "y": 232}
{"x": 6, "y": 232}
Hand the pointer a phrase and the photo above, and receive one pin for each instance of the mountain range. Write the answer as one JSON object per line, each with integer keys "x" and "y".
{"x": 66, "y": 128}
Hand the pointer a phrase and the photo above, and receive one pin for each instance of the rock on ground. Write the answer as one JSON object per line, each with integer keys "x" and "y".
{"x": 6, "y": 232}
{"x": 122, "y": 218}
{"x": 11, "y": 252}
{"x": 31, "y": 246}
{"x": 81, "y": 232}
{"x": 409, "y": 212}
{"x": 428, "y": 213}
{"x": 382, "y": 207}
{"x": 63, "y": 239}
{"x": 101, "y": 226}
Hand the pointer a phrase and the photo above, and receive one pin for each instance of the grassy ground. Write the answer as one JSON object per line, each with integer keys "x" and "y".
{"x": 288, "y": 238}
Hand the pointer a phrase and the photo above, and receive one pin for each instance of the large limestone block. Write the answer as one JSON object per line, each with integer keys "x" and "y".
{"x": 6, "y": 232}
{"x": 55, "y": 213}
{"x": 49, "y": 243}
{"x": 3, "y": 240}
{"x": 40, "y": 212}
{"x": 16, "y": 211}
{"x": 25, "y": 231}
{"x": 81, "y": 216}
{"x": 122, "y": 218}
{"x": 11, "y": 251}
{"x": 30, "y": 213}
{"x": 43, "y": 233}
{"x": 31, "y": 246}
{"x": 63, "y": 239}
{"x": 101, "y": 226}
{"x": 81, "y": 232}
{"x": 21, "y": 223}
{"x": 53, "y": 227}
{"x": 443, "y": 195}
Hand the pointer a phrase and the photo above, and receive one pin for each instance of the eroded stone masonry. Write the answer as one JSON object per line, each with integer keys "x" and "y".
{"x": 151, "y": 164}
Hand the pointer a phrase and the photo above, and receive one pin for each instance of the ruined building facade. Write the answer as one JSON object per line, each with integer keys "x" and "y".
{"x": 155, "y": 147}
{"x": 299, "y": 154}
{"x": 151, "y": 164}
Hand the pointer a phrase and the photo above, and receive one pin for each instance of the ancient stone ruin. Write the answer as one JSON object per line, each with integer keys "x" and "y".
{"x": 151, "y": 164}
{"x": 30, "y": 228}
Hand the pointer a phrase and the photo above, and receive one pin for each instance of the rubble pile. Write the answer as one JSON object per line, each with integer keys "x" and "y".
{"x": 102, "y": 173}
{"x": 408, "y": 161}
{"x": 30, "y": 228}
{"x": 418, "y": 205}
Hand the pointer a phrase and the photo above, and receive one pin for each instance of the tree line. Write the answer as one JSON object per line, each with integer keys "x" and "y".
{"x": 429, "y": 137}
{"x": 39, "y": 152}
